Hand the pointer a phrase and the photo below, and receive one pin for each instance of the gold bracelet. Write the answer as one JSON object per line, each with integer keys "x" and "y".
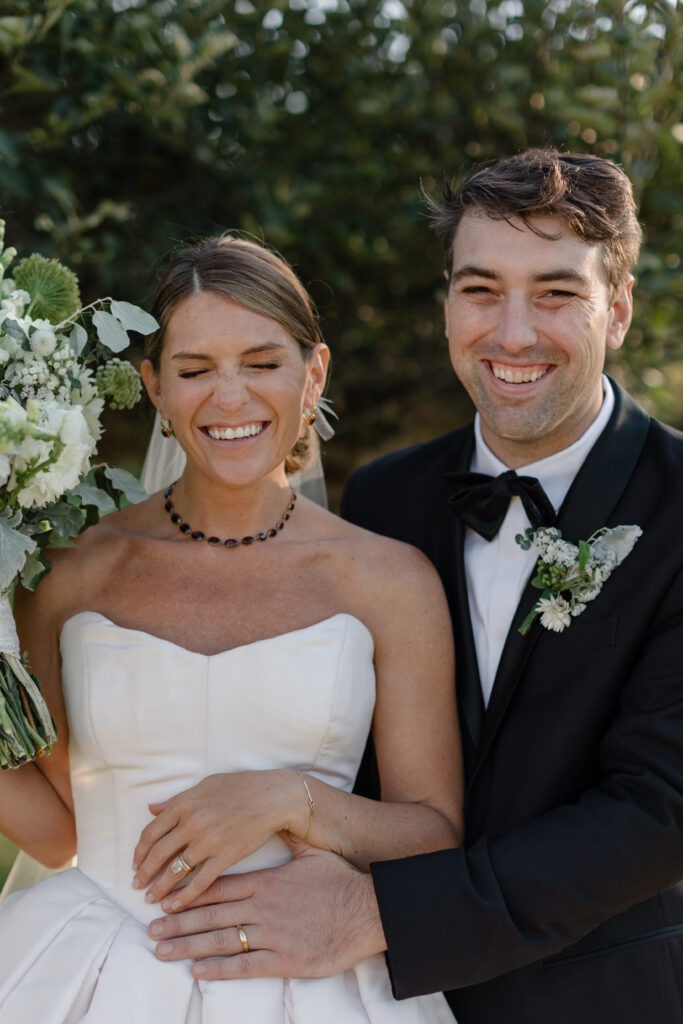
{"x": 311, "y": 805}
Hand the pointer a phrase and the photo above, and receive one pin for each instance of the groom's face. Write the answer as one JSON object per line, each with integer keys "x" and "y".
{"x": 528, "y": 320}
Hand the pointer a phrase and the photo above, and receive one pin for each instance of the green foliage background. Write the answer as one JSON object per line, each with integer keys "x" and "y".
{"x": 127, "y": 126}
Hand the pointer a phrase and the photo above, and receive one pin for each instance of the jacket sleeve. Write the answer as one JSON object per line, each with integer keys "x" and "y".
{"x": 459, "y": 917}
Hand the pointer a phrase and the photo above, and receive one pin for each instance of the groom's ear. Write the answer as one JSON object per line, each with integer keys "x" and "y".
{"x": 621, "y": 311}
{"x": 150, "y": 379}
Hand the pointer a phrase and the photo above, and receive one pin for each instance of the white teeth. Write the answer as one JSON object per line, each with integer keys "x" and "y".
{"x": 230, "y": 433}
{"x": 518, "y": 376}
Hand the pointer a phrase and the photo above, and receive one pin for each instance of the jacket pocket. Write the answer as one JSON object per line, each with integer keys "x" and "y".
{"x": 580, "y": 636}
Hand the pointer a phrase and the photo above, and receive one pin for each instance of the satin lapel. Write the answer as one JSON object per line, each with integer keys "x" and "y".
{"x": 589, "y": 503}
{"x": 449, "y": 535}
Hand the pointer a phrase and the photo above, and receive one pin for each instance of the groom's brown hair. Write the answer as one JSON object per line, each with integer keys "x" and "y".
{"x": 593, "y": 197}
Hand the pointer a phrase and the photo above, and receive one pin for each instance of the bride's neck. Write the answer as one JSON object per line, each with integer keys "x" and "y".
{"x": 219, "y": 509}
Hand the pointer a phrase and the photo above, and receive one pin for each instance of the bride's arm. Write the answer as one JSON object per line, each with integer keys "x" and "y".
{"x": 416, "y": 736}
{"x": 35, "y": 800}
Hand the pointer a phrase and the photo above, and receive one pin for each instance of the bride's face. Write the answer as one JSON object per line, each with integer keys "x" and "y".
{"x": 233, "y": 383}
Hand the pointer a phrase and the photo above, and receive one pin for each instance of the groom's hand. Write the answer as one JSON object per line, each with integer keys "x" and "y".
{"x": 314, "y": 916}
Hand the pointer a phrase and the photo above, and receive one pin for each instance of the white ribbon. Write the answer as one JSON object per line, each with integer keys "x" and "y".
{"x": 9, "y": 641}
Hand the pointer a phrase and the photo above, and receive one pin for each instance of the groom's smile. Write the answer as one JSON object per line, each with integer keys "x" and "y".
{"x": 528, "y": 319}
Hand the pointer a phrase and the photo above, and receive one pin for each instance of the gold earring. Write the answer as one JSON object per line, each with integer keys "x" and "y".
{"x": 166, "y": 428}
{"x": 308, "y": 416}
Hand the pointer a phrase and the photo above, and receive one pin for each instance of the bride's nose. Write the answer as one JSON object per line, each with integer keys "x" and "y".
{"x": 231, "y": 390}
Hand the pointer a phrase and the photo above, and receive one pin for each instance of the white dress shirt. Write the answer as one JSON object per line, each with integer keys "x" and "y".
{"x": 497, "y": 570}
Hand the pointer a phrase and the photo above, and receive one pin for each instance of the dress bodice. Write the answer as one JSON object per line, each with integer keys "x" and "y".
{"x": 149, "y": 719}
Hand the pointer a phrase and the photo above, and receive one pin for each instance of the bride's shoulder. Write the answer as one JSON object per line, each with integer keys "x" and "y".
{"x": 93, "y": 556}
{"x": 381, "y": 568}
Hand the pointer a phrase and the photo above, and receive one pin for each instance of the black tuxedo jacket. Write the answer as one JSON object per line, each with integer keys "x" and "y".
{"x": 566, "y": 905}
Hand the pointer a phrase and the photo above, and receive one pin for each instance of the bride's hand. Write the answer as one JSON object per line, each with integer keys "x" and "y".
{"x": 214, "y": 824}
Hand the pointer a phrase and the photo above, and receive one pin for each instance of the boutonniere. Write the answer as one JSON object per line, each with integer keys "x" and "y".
{"x": 571, "y": 575}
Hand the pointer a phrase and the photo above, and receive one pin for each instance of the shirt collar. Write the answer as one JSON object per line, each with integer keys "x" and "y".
{"x": 557, "y": 471}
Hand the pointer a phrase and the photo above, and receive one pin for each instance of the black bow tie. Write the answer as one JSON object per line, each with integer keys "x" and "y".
{"x": 482, "y": 501}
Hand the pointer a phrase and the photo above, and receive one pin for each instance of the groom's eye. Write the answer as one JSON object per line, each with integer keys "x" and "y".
{"x": 187, "y": 374}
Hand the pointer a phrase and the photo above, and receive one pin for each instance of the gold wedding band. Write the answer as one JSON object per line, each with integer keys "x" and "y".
{"x": 243, "y": 937}
{"x": 180, "y": 864}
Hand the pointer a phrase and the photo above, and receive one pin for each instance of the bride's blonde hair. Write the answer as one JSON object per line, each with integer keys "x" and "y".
{"x": 253, "y": 276}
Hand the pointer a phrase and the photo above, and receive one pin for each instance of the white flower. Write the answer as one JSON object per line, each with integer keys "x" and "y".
{"x": 554, "y": 612}
{"x": 43, "y": 342}
{"x": 56, "y": 479}
{"x": 5, "y": 469}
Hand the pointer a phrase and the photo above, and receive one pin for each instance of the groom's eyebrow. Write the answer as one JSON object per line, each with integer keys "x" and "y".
{"x": 470, "y": 270}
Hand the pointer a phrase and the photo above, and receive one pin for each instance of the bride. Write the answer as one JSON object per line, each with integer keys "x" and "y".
{"x": 216, "y": 656}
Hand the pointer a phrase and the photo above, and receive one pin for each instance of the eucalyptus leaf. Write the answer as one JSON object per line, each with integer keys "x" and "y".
{"x": 35, "y": 567}
{"x": 133, "y": 318}
{"x": 128, "y": 484}
{"x": 78, "y": 339}
{"x": 12, "y": 328}
{"x": 109, "y": 331}
{"x": 91, "y": 495}
{"x": 14, "y": 547}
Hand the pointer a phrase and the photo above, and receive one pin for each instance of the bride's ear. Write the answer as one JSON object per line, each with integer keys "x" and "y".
{"x": 317, "y": 364}
{"x": 150, "y": 379}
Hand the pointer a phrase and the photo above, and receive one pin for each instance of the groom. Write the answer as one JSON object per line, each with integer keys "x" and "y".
{"x": 566, "y": 905}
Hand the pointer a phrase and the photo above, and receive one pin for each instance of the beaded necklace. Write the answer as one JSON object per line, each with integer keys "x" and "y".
{"x": 231, "y": 543}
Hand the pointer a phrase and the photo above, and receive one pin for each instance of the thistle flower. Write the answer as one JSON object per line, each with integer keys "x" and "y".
{"x": 53, "y": 288}
{"x": 119, "y": 382}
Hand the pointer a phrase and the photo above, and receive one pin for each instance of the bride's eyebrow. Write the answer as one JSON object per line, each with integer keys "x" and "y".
{"x": 266, "y": 346}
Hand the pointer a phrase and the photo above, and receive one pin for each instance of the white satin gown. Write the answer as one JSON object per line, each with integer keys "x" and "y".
{"x": 149, "y": 719}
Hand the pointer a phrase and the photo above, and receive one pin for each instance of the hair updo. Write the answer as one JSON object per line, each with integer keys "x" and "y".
{"x": 251, "y": 275}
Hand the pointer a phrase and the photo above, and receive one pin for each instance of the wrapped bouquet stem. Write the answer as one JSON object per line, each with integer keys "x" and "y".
{"x": 26, "y": 726}
{"x": 58, "y": 364}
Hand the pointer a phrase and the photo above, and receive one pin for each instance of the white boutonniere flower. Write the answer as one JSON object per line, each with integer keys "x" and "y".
{"x": 571, "y": 575}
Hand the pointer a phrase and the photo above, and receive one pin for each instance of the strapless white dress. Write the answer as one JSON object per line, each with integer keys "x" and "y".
{"x": 148, "y": 719}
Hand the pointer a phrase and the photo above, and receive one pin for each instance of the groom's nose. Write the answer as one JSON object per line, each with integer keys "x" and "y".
{"x": 515, "y": 327}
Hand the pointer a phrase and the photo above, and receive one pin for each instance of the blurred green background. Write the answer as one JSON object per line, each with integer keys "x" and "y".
{"x": 127, "y": 127}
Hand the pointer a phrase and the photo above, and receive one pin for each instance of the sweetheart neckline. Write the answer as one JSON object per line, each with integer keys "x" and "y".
{"x": 230, "y": 650}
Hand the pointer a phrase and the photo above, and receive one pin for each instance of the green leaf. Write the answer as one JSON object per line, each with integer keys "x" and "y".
{"x": 12, "y": 328}
{"x": 56, "y": 541}
{"x": 584, "y": 554}
{"x": 133, "y": 318}
{"x": 14, "y": 547}
{"x": 109, "y": 331}
{"x": 35, "y": 567}
{"x": 128, "y": 484}
{"x": 78, "y": 339}
{"x": 91, "y": 495}
{"x": 67, "y": 520}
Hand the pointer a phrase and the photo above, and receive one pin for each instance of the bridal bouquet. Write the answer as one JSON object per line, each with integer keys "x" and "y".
{"x": 58, "y": 365}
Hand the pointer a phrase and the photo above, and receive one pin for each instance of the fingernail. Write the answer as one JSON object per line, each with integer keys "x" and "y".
{"x": 199, "y": 969}
{"x": 137, "y": 884}
{"x": 136, "y": 864}
{"x": 156, "y": 929}
{"x": 150, "y": 898}
{"x": 165, "y": 948}
{"x": 176, "y": 905}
